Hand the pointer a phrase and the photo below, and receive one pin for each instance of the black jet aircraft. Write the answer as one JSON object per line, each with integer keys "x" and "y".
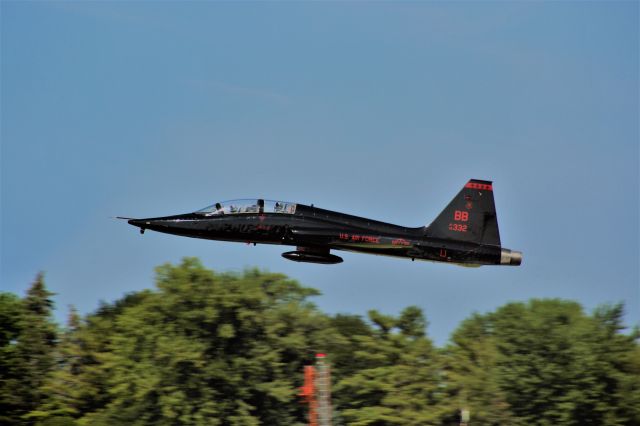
{"x": 465, "y": 233}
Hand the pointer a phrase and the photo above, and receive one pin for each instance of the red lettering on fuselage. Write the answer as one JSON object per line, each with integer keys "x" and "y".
{"x": 359, "y": 238}
{"x": 370, "y": 239}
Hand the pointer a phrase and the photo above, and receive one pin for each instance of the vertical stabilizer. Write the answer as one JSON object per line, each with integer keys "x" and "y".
{"x": 470, "y": 216}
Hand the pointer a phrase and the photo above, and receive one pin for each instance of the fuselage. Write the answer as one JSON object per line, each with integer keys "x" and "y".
{"x": 315, "y": 231}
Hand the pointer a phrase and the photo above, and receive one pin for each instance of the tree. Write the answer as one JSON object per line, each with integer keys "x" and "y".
{"x": 205, "y": 348}
{"x": 11, "y": 367}
{"x": 553, "y": 364}
{"x": 545, "y": 362}
{"x": 617, "y": 366}
{"x": 36, "y": 344}
{"x": 28, "y": 340}
{"x": 229, "y": 349}
{"x": 470, "y": 373}
{"x": 398, "y": 377}
{"x": 65, "y": 385}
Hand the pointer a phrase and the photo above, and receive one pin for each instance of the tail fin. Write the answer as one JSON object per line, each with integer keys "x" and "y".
{"x": 470, "y": 216}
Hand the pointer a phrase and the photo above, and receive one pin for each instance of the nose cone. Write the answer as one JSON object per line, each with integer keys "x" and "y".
{"x": 140, "y": 223}
{"x": 178, "y": 224}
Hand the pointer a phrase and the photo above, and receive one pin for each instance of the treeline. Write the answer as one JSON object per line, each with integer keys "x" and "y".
{"x": 207, "y": 348}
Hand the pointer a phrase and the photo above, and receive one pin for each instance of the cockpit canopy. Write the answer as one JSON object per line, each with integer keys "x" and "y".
{"x": 248, "y": 206}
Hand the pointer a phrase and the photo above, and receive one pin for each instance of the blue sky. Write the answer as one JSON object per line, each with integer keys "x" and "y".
{"x": 378, "y": 109}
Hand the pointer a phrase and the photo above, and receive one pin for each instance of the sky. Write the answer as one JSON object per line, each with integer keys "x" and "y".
{"x": 378, "y": 109}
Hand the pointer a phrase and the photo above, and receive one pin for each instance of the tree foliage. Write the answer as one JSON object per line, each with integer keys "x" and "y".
{"x": 395, "y": 379}
{"x": 546, "y": 363}
{"x": 27, "y": 339}
{"x": 229, "y": 349}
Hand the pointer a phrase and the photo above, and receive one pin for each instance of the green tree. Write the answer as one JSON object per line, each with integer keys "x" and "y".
{"x": 470, "y": 373}
{"x": 554, "y": 365}
{"x": 207, "y": 348}
{"x": 28, "y": 341}
{"x": 11, "y": 367}
{"x": 350, "y": 329}
{"x": 91, "y": 342}
{"x": 65, "y": 385}
{"x": 617, "y": 366}
{"x": 229, "y": 349}
{"x": 545, "y": 362}
{"x": 397, "y": 376}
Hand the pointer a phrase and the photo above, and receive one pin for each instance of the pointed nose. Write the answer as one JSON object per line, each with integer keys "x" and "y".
{"x": 140, "y": 223}
{"x": 178, "y": 224}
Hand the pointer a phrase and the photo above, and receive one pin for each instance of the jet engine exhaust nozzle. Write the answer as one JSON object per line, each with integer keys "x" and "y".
{"x": 510, "y": 257}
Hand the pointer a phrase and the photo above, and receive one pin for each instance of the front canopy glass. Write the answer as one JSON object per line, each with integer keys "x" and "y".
{"x": 247, "y": 207}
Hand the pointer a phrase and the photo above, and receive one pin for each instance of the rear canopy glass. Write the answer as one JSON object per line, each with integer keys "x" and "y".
{"x": 248, "y": 206}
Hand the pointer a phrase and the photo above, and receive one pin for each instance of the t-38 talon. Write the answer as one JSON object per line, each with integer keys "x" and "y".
{"x": 465, "y": 233}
